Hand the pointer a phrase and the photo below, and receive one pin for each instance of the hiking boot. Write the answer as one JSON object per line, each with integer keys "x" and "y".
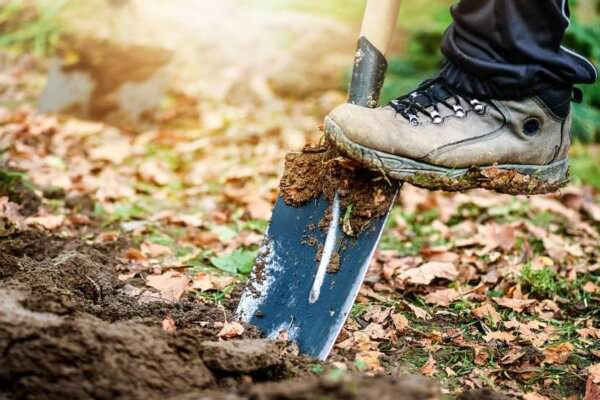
{"x": 437, "y": 138}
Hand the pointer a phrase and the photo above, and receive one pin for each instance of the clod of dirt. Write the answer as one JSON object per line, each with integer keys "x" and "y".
{"x": 13, "y": 186}
{"x": 316, "y": 171}
{"x": 334, "y": 263}
{"x": 46, "y": 356}
{"x": 241, "y": 355}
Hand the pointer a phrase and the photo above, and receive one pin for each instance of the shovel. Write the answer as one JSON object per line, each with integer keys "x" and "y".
{"x": 291, "y": 295}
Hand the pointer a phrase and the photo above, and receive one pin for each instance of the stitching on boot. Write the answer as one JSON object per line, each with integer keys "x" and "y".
{"x": 487, "y": 136}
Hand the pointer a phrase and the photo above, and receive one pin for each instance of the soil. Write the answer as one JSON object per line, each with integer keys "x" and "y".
{"x": 322, "y": 171}
{"x": 110, "y": 66}
{"x": 68, "y": 329}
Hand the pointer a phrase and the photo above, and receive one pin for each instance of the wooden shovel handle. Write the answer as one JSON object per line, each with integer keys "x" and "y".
{"x": 379, "y": 22}
{"x": 374, "y": 42}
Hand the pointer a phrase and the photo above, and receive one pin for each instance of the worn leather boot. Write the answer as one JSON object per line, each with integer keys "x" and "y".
{"x": 437, "y": 138}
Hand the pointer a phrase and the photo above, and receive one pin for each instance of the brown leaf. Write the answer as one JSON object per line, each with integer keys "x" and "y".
{"x": 419, "y": 312}
{"x": 501, "y": 336}
{"x": 426, "y": 273}
{"x": 428, "y": 369}
{"x": 202, "y": 281}
{"x": 591, "y": 287}
{"x": 589, "y": 332}
{"x": 592, "y": 390}
{"x": 594, "y": 371}
{"x": 376, "y": 313}
{"x": 487, "y": 310}
{"x": 592, "y": 387}
{"x": 154, "y": 250}
{"x": 514, "y": 304}
{"x": 370, "y": 359}
{"x": 50, "y": 222}
{"x": 221, "y": 282}
{"x": 443, "y": 297}
{"x": 557, "y": 354}
{"x": 231, "y": 330}
{"x": 135, "y": 255}
{"x": 375, "y": 331}
{"x": 400, "y": 322}
{"x": 155, "y": 172}
{"x": 494, "y": 236}
{"x": 259, "y": 208}
{"x": 205, "y": 282}
{"x": 114, "y": 148}
{"x": 171, "y": 284}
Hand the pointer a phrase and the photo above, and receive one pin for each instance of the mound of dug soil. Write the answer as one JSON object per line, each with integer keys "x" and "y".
{"x": 69, "y": 330}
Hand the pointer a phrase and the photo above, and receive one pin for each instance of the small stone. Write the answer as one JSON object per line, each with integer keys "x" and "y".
{"x": 240, "y": 355}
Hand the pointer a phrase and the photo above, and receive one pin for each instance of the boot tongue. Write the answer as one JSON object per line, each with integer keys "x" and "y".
{"x": 436, "y": 92}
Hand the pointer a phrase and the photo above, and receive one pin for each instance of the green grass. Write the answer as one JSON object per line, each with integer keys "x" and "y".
{"x": 585, "y": 164}
{"x": 543, "y": 282}
{"x": 34, "y": 28}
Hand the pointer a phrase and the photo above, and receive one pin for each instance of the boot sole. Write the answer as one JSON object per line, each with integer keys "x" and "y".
{"x": 503, "y": 178}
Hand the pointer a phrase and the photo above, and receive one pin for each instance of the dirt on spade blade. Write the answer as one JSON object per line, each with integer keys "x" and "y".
{"x": 69, "y": 329}
{"x": 315, "y": 171}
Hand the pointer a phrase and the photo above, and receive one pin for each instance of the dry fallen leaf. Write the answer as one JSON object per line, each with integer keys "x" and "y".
{"x": 134, "y": 254}
{"x": 370, "y": 359}
{"x": 419, "y": 312}
{"x": 202, "y": 281}
{"x": 428, "y": 369}
{"x": 591, "y": 287}
{"x": 494, "y": 236}
{"x": 114, "y": 148}
{"x": 443, "y": 297}
{"x": 594, "y": 371}
{"x": 154, "y": 250}
{"x": 231, "y": 330}
{"x": 426, "y": 273}
{"x": 590, "y": 332}
{"x": 501, "y": 336}
{"x": 487, "y": 310}
{"x": 50, "y": 222}
{"x": 205, "y": 282}
{"x": 375, "y": 331}
{"x": 592, "y": 390}
{"x": 400, "y": 322}
{"x": 557, "y": 354}
{"x": 171, "y": 284}
{"x": 376, "y": 313}
{"x": 514, "y": 304}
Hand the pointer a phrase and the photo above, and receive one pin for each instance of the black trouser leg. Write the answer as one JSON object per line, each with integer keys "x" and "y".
{"x": 511, "y": 48}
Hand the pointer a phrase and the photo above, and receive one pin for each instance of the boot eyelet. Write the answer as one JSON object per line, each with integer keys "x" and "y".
{"x": 531, "y": 126}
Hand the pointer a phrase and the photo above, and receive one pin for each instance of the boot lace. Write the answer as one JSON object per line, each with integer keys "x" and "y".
{"x": 427, "y": 98}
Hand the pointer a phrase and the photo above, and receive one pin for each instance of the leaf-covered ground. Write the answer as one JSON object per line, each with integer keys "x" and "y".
{"x": 477, "y": 290}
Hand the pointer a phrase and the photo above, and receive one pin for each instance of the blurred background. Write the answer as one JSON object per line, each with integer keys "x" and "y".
{"x": 236, "y": 52}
